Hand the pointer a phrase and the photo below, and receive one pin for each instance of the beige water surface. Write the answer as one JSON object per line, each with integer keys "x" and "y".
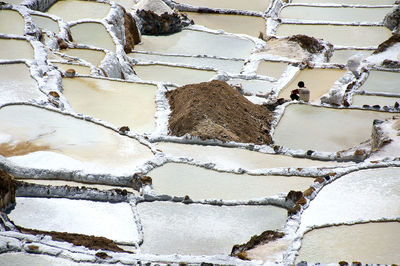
{"x": 382, "y": 81}
{"x": 121, "y": 103}
{"x": 199, "y": 183}
{"x": 360, "y": 100}
{"x": 190, "y": 42}
{"x": 11, "y": 22}
{"x": 71, "y": 10}
{"x": 45, "y": 23}
{"x": 92, "y": 56}
{"x": 203, "y": 229}
{"x": 348, "y": 2}
{"x": 238, "y": 24}
{"x": 92, "y": 33}
{"x": 319, "y": 81}
{"x": 341, "y": 14}
{"x": 271, "y": 69}
{"x": 254, "y": 5}
{"x": 238, "y": 158}
{"x": 371, "y": 243}
{"x": 69, "y": 139}
{"x": 82, "y": 70}
{"x": 20, "y": 258}
{"x": 308, "y": 127}
{"x": 342, "y": 56}
{"x": 345, "y": 35}
{"x": 15, "y": 49}
{"x": 177, "y": 75}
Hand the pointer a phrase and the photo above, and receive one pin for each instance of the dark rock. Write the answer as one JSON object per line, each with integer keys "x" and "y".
{"x": 54, "y": 94}
{"x": 376, "y": 106}
{"x": 302, "y": 263}
{"x": 70, "y": 73}
{"x": 366, "y": 106}
{"x": 61, "y": 44}
{"x": 132, "y": 35}
{"x": 292, "y": 197}
{"x": 308, "y": 191}
{"x": 311, "y": 44}
{"x": 7, "y": 191}
{"x": 309, "y": 152}
{"x": 343, "y": 263}
{"x": 102, "y": 255}
{"x": 396, "y": 105}
{"x": 154, "y": 24}
{"x": 390, "y": 63}
{"x": 124, "y": 129}
{"x": 392, "y": 19}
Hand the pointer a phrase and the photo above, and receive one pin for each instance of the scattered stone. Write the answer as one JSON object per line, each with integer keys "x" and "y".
{"x": 124, "y": 129}
{"x": 343, "y": 263}
{"x": 302, "y": 201}
{"x": 147, "y": 180}
{"x": 243, "y": 256}
{"x": 366, "y": 106}
{"x": 70, "y": 73}
{"x": 265, "y": 237}
{"x": 33, "y": 247}
{"x": 293, "y": 196}
{"x": 392, "y": 19}
{"x": 302, "y": 263}
{"x": 61, "y": 44}
{"x": 327, "y": 178}
{"x": 396, "y": 105}
{"x": 376, "y": 106}
{"x": 309, "y": 152}
{"x": 102, "y": 255}
{"x": 215, "y": 110}
{"x": 356, "y": 263}
{"x": 332, "y": 174}
{"x": 54, "y": 94}
{"x": 294, "y": 210}
{"x": 346, "y": 103}
{"x": 319, "y": 180}
{"x": 308, "y": 191}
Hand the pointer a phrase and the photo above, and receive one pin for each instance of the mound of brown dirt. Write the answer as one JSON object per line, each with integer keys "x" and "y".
{"x": 215, "y": 110}
{"x": 387, "y": 44}
{"x": 91, "y": 242}
{"x": 310, "y": 44}
{"x": 7, "y": 190}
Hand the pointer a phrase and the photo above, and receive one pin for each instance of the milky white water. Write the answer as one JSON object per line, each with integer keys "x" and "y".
{"x": 92, "y": 56}
{"x": 72, "y": 10}
{"x": 271, "y": 69}
{"x": 92, "y": 33}
{"x": 382, "y": 81}
{"x": 15, "y": 49}
{"x": 360, "y": 100}
{"x": 11, "y": 22}
{"x": 46, "y": 23}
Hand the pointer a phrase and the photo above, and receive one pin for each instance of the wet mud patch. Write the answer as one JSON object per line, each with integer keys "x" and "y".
{"x": 215, "y": 110}
{"x": 91, "y": 242}
{"x": 21, "y": 148}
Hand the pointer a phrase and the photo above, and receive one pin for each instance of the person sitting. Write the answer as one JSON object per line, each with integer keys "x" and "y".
{"x": 304, "y": 93}
{"x": 295, "y": 95}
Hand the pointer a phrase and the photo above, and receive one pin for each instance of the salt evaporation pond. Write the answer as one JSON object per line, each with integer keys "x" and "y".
{"x": 92, "y": 56}
{"x": 200, "y": 183}
{"x": 11, "y": 22}
{"x": 92, "y": 33}
{"x": 121, "y": 103}
{"x": 66, "y": 142}
{"x": 17, "y": 85}
{"x": 76, "y": 184}
{"x": 382, "y": 81}
{"x": 71, "y": 10}
{"x": 271, "y": 69}
{"x": 371, "y": 243}
{"x": 254, "y": 5}
{"x": 18, "y": 259}
{"x": 348, "y": 2}
{"x": 342, "y": 56}
{"x": 340, "y": 14}
{"x": 239, "y": 158}
{"x": 191, "y": 42}
{"x": 315, "y": 128}
{"x": 230, "y": 66}
{"x": 360, "y": 100}
{"x": 46, "y": 23}
{"x": 77, "y": 216}
{"x": 366, "y": 194}
{"x": 15, "y": 49}
{"x": 203, "y": 229}
{"x": 255, "y": 87}
{"x": 345, "y": 35}
{"x": 177, "y": 75}
{"x": 318, "y": 80}
{"x": 79, "y": 69}
{"x": 238, "y": 24}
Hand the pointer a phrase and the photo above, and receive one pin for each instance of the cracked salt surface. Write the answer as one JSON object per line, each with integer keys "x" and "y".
{"x": 65, "y": 155}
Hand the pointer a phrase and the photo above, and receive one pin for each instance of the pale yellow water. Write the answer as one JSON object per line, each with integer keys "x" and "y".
{"x": 15, "y": 49}
{"x": 271, "y": 69}
{"x": 359, "y": 36}
{"x": 239, "y": 24}
{"x": 254, "y": 5}
{"x": 92, "y": 56}
{"x": 83, "y": 70}
{"x": 382, "y": 81}
{"x": 258, "y": 87}
{"x": 92, "y": 33}
{"x": 360, "y": 100}
{"x": 45, "y": 23}
{"x": 349, "y": 2}
{"x": 17, "y": 85}
{"x": 120, "y": 103}
{"x": 11, "y": 22}
{"x": 341, "y": 14}
{"x": 178, "y": 75}
{"x": 199, "y": 183}
{"x": 319, "y": 81}
{"x": 189, "y": 42}
{"x": 74, "y": 138}
{"x": 127, "y": 4}
{"x": 342, "y": 56}
{"x": 76, "y": 184}
{"x": 238, "y": 158}
{"x": 372, "y": 243}
{"x": 324, "y": 129}
{"x": 72, "y": 10}
{"x": 230, "y": 66}
{"x": 203, "y": 229}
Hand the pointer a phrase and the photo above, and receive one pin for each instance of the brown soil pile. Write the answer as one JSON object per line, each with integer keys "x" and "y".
{"x": 132, "y": 35}
{"x": 310, "y": 44}
{"x": 91, "y": 242}
{"x": 7, "y": 190}
{"x": 215, "y": 110}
